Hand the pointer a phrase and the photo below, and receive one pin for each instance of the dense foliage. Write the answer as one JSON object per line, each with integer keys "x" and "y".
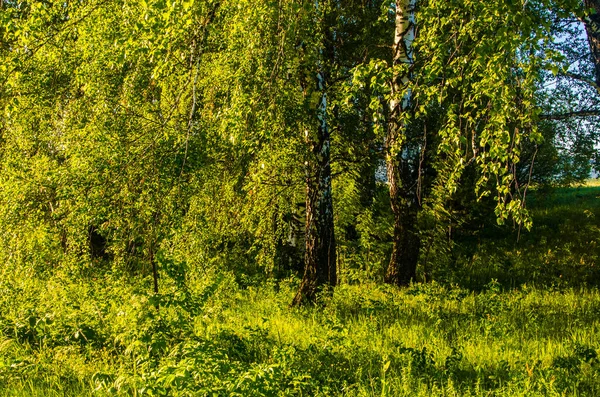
{"x": 174, "y": 174}
{"x": 189, "y": 129}
{"x": 104, "y": 338}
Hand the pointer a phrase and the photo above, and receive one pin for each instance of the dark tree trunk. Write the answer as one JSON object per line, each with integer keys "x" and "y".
{"x": 320, "y": 255}
{"x": 402, "y": 268}
{"x": 592, "y": 28}
{"x": 401, "y": 168}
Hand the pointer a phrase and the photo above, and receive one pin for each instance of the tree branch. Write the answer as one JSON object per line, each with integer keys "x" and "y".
{"x": 583, "y": 79}
{"x": 569, "y": 115}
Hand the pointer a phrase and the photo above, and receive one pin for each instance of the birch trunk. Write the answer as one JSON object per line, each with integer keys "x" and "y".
{"x": 401, "y": 172}
{"x": 320, "y": 255}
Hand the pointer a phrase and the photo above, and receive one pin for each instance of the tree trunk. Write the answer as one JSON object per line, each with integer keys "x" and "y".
{"x": 592, "y": 28}
{"x": 405, "y": 254}
{"x": 320, "y": 255}
{"x": 401, "y": 171}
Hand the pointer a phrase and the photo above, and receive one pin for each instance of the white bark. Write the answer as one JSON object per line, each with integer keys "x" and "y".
{"x": 403, "y": 55}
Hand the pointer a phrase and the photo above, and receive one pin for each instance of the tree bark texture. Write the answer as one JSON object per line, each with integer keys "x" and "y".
{"x": 320, "y": 254}
{"x": 401, "y": 171}
{"x": 592, "y": 28}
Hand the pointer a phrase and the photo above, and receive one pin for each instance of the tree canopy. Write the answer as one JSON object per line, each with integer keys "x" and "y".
{"x": 254, "y": 136}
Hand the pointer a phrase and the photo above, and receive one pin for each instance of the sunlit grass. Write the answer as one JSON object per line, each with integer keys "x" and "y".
{"x": 539, "y": 336}
{"x": 366, "y": 340}
{"x": 595, "y": 182}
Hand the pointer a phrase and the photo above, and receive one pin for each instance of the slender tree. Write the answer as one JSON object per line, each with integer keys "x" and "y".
{"x": 320, "y": 251}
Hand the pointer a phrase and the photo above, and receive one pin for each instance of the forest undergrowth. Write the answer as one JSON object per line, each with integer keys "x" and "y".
{"x": 62, "y": 334}
{"x": 61, "y": 337}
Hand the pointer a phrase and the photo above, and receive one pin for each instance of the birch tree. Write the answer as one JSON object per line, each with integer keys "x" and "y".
{"x": 401, "y": 170}
{"x": 320, "y": 249}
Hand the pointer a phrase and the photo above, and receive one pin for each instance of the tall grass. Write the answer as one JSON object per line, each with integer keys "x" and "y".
{"x": 65, "y": 338}
{"x": 521, "y": 329}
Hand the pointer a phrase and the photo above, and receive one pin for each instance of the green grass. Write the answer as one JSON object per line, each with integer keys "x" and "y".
{"x": 562, "y": 249}
{"x": 534, "y": 330}
{"x": 93, "y": 338}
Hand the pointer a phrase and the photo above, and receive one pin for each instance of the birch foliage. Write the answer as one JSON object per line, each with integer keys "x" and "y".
{"x": 475, "y": 79}
{"x": 180, "y": 128}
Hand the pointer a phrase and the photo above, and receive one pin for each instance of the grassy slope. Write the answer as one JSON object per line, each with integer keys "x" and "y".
{"x": 61, "y": 337}
{"x": 562, "y": 249}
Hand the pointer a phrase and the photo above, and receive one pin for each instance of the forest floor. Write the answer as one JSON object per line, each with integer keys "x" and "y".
{"x": 536, "y": 336}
